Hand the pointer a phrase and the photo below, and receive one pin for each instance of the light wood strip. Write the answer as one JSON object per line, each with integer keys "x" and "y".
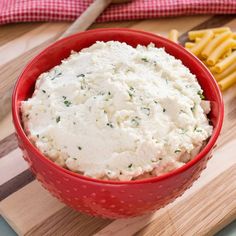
{"x": 228, "y": 130}
{"x": 69, "y": 222}
{"x": 133, "y": 225}
{"x": 30, "y": 200}
{"x": 10, "y": 32}
{"x": 33, "y": 38}
{"x": 164, "y": 25}
{"x": 11, "y": 165}
{"x": 51, "y": 218}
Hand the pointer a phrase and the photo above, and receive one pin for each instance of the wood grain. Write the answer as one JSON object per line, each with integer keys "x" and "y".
{"x": 29, "y": 40}
{"x": 22, "y": 204}
{"x": 8, "y": 144}
{"x": 12, "y": 31}
{"x": 69, "y": 222}
{"x": 11, "y": 165}
{"x": 6, "y": 126}
{"x": 16, "y": 183}
{"x": 188, "y": 218}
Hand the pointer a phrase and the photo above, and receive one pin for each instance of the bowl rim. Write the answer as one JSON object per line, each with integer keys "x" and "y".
{"x": 21, "y": 133}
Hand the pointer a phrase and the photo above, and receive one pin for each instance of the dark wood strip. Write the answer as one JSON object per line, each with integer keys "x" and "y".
{"x": 8, "y": 144}
{"x": 214, "y": 21}
{"x": 16, "y": 183}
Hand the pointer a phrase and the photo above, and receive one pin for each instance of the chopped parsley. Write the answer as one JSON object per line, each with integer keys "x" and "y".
{"x": 131, "y": 88}
{"x": 56, "y": 74}
{"x": 82, "y": 84}
{"x": 101, "y": 93}
{"x": 58, "y": 119}
{"x": 164, "y": 110}
{"x": 67, "y": 103}
{"x": 110, "y": 124}
{"x": 80, "y": 75}
{"x": 155, "y": 102}
{"x": 37, "y": 135}
{"x": 80, "y": 148}
{"x": 183, "y": 131}
{"x": 177, "y": 150}
{"x": 64, "y": 97}
{"x": 43, "y": 91}
{"x": 193, "y": 108}
{"x": 146, "y": 110}
{"x": 135, "y": 121}
{"x": 74, "y": 158}
{"x": 130, "y": 165}
{"x": 144, "y": 59}
{"x": 197, "y": 129}
{"x": 131, "y": 92}
{"x": 109, "y": 93}
{"x": 201, "y": 95}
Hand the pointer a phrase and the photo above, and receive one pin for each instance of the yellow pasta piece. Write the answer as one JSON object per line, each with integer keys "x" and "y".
{"x": 226, "y": 72}
{"x": 219, "y": 51}
{"x": 198, "y": 40}
{"x": 189, "y": 45}
{"x": 228, "y": 53}
{"x": 234, "y": 35}
{"x": 225, "y": 63}
{"x": 198, "y": 47}
{"x": 214, "y": 43}
{"x": 173, "y": 35}
{"x": 211, "y": 69}
{"x": 227, "y": 81}
{"x": 199, "y": 33}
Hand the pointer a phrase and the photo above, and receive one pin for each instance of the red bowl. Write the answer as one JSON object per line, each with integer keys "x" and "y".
{"x": 110, "y": 198}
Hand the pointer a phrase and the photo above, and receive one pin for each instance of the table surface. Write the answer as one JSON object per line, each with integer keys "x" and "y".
{"x": 9, "y": 33}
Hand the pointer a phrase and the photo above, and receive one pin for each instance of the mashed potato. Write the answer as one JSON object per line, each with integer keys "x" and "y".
{"x": 116, "y": 112}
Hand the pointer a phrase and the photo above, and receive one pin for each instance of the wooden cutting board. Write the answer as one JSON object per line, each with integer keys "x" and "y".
{"x": 205, "y": 208}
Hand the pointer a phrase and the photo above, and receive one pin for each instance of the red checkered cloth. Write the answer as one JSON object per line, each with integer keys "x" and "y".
{"x": 68, "y": 10}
